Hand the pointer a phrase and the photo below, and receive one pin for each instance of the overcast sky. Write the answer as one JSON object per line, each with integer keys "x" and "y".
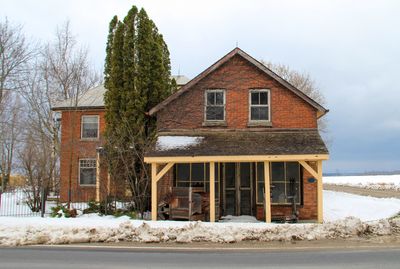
{"x": 350, "y": 48}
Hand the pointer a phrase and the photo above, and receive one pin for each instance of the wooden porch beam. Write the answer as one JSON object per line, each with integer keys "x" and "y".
{"x": 212, "y": 192}
{"x": 237, "y": 158}
{"x": 319, "y": 193}
{"x": 164, "y": 171}
{"x": 153, "y": 192}
{"x": 309, "y": 169}
{"x": 267, "y": 192}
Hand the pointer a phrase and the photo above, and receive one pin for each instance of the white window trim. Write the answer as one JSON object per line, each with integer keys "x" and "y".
{"x": 79, "y": 172}
{"x": 269, "y": 105}
{"x": 98, "y": 127}
{"x": 205, "y": 104}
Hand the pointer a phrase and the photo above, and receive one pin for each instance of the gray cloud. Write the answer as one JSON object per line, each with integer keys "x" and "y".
{"x": 349, "y": 47}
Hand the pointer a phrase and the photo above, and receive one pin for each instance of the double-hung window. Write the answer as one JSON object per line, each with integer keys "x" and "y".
{"x": 259, "y": 105}
{"x": 215, "y": 105}
{"x": 87, "y": 171}
{"x": 90, "y": 127}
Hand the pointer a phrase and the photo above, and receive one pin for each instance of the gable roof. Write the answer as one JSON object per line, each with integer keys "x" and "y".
{"x": 237, "y": 51}
{"x": 92, "y": 98}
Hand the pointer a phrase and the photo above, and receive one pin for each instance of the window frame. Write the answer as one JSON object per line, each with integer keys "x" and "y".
{"x": 206, "y": 105}
{"x": 206, "y": 180}
{"x": 98, "y": 127}
{"x": 267, "y": 105}
{"x": 300, "y": 184}
{"x": 79, "y": 172}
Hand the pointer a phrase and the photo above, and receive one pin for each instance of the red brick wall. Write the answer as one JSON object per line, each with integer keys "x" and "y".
{"x": 237, "y": 77}
{"x": 74, "y": 148}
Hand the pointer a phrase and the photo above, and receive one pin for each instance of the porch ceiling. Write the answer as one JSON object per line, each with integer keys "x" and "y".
{"x": 305, "y": 144}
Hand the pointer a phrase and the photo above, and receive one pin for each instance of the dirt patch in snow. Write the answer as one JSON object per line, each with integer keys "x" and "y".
{"x": 362, "y": 190}
{"x": 197, "y": 232}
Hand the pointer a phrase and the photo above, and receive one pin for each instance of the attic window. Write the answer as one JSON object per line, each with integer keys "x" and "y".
{"x": 259, "y": 105}
{"x": 215, "y": 105}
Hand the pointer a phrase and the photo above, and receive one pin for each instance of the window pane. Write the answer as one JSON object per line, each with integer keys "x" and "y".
{"x": 259, "y": 113}
{"x": 183, "y": 172}
{"x": 263, "y": 113}
{"x": 278, "y": 171}
{"x": 293, "y": 189}
{"x": 87, "y": 173}
{"x": 183, "y": 184}
{"x": 210, "y": 98}
{"x": 215, "y": 113}
{"x": 89, "y": 127}
{"x": 230, "y": 175}
{"x": 219, "y": 98}
{"x": 278, "y": 193}
{"x": 263, "y": 98}
{"x": 255, "y": 98}
{"x": 260, "y": 192}
{"x": 197, "y": 172}
{"x": 292, "y": 171}
{"x": 255, "y": 113}
{"x": 260, "y": 172}
{"x": 245, "y": 202}
{"x": 245, "y": 175}
{"x": 230, "y": 199}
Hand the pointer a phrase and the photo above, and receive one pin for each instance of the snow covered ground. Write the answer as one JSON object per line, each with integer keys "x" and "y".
{"x": 385, "y": 182}
{"x": 339, "y": 205}
{"x": 346, "y": 215}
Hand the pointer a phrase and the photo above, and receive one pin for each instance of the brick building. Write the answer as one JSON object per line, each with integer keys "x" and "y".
{"x": 236, "y": 134}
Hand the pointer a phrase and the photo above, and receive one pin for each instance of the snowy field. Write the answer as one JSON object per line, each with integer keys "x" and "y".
{"x": 346, "y": 215}
{"x": 339, "y": 205}
{"x": 384, "y": 182}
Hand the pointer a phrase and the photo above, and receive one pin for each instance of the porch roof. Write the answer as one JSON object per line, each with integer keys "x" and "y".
{"x": 238, "y": 143}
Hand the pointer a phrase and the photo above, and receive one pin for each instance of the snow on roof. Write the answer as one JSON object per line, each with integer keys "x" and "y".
{"x": 177, "y": 142}
{"x": 93, "y": 97}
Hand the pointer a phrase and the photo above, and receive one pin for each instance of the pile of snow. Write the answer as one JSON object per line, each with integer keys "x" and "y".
{"x": 240, "y": 219}
{"x": 18, "y": 232}
{"x": 177, "y": 142}
{"x": 384, "y": 182}
{"x": 339, "y": 205}
{"x": 346, "y": 215}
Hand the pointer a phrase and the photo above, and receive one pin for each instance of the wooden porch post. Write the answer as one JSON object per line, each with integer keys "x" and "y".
{"x": 267, "y": 194}
{"x": 212, "y": 191}
{"x": 98, "y": 176}
{"x": 153, "y": 191}
{"x": 319, "y": 192}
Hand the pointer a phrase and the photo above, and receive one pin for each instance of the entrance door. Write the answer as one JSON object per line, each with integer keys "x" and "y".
{"x": 238, "y": 189}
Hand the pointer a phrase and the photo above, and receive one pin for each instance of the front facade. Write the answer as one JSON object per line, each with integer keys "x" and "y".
{"x": 234, "y": 136}
{"x": 241, "y": 134}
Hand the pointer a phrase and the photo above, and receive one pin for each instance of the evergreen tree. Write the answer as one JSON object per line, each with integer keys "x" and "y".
{"x": 137, "y": 77}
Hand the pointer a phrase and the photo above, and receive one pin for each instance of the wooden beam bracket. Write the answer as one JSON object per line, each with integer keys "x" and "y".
{"x": 309, "y": 169}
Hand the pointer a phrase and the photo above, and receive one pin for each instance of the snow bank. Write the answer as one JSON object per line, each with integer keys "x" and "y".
{"x": 339, "y": 205}
{"x": 346, "y": 215}
{"x": 43, "y": 231}
{"x": 177, "y": 142}
{"x": 384, "y": 182}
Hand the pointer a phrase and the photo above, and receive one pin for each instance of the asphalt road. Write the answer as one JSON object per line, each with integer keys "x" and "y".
{"x": 60, "y": 257}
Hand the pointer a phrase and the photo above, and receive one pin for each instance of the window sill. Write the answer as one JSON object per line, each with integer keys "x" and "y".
{"x": 259, "y": 124}
{"x": 214, "y": 123}
{"x": 281, "y": 204}
{"x": 89, "y": 139}
{"x": 87, "y": 185}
